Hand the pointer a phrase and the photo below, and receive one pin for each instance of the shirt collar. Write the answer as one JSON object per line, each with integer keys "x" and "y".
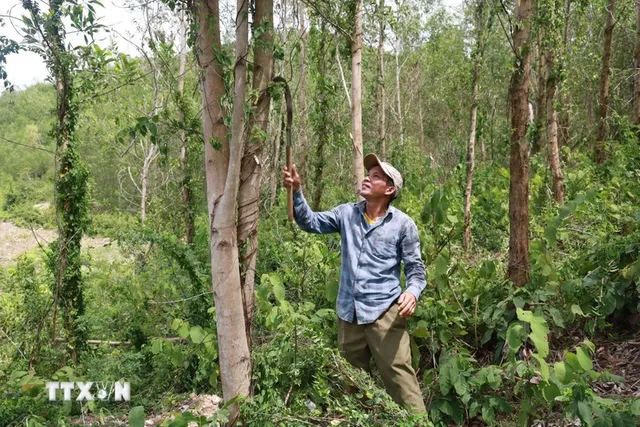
{"x": 361, "y": 205}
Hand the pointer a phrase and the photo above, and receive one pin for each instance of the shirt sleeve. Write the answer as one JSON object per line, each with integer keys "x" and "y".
{"x": 315, "y": 222}
{"x": 413, "y": 266}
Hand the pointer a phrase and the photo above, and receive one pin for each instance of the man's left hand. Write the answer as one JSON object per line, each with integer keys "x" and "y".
{"x": 406, "y": 304}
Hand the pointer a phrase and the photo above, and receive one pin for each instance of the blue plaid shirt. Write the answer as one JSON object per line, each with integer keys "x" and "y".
{"x": 371, "y": 255}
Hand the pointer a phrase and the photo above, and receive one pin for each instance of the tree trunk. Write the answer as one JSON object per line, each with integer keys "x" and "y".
{"x": 518, "y": 269}
{"x": 466, "y": 241}
{"x": 636, "y": 93}
{"x": 223, "y": 179}
{"x": 541, "y": 103}
{"x": 189, "y": 227}
{"x": 275, "y": 165}
{"x": 323, "y": 124}
{"x": 552, "y": 131}
{"x": 380, "y": 105}
{"x": 302, "y": 97}
{"x": 603, "y": 101}
{"x": 421, "y": 141}
{"x": 151, "y": 152}
{"x": 563, "y": 115}
{"x": 398, "y": 103}
{"x": 70, "y": 189}
{"x": 251, "y": 172}
{"x": 356, "y": 99}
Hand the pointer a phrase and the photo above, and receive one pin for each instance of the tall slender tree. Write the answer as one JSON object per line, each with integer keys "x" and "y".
{"x": 356, "y": 97}
{"x": 223, "y": 160}
{"x": 380, "y": 89}
{"x": 251, "y": 171}
{"x": 519, "y": 265}
{"x": 603, "y": 99}
{"x": 635, "y": 116}
{"x": 477, "y": 59}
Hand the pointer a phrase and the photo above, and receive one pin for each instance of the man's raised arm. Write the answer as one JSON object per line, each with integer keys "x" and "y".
{"x": 307, "y": 219}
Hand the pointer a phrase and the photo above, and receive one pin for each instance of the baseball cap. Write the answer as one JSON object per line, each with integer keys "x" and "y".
{"x": 371, "y": 160}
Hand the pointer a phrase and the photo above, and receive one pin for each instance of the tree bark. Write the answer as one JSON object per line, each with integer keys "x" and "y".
{"x": 541, "y": 102}
{"x": 323, "y": 124}
{"x": 380, "y": 105}
{"x": 603, "y": 100}
{"x": 519, "y": 266}
{"x": 223, "y": 179}
{"x": 552, "y": 131}
{"x": 635, "y": 118}
{"x": 398, "y": 99}
{"x": 356, "y": 99}
{"x": 466, "y": 241}
{"x": 251, "y": 170}
{"x": 302, "y": 97}
{"x": 275, "y": 164}
{"x": 563, "y": 115}
{"x": 189, "y": 227}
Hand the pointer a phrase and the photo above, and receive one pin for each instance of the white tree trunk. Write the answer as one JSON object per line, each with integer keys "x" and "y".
{"x": 380, "y": 105}
{"x": 223, "y": 179}
{"x": 552, "y": 131}
{"x": 356, "y": 100}
{"x": 398, "y": 99}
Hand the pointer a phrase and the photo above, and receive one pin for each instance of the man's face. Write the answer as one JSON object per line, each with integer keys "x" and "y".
{"x": 376, "y": 185}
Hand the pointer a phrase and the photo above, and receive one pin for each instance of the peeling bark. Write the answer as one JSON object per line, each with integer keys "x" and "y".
{"x": 519, "y": 265}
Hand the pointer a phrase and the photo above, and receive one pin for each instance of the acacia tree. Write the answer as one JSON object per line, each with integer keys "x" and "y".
{"x": 356, "y": 96}
{"x": 603, "y": 100}
{"x": 223, "y": 160}
{"x": 380, "y": 90}
{"x": 549, "y": 16}
{"x": 635, "y": 116}
{"x": 251, "y": 171}
{"x": 477, "y": 58}
{"x": 518, "y": 269}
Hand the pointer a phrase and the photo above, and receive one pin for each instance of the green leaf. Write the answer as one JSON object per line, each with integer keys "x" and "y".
{"x": 183, "y": 330}
{"x": 488, "y": 413}
{"x": 197, "y": 334}
{"x": 278, "y": 287}
{"x": 156, "y": 346}
{"x": 635, "y": 407}
{"x": 563, "y": 371}
{"x": 461, "y": 386}
{"x": 331, "y": 291}
{"x": 575, "y": 309}
{"x": 572, "y": 360}
{"x": 518, "y": 302}
{"x": 585, "y": 413}
{"x": 584, "y": 359}
{"x": 136, "y": 416}
{"x": 550, "y": 391}
{"x": 524, "y": 315}
{"x": 544, "y": 368}
{"x": 514, "y": 335}
{"x": 445, "y": 336}
{"x": 420, "y": 332}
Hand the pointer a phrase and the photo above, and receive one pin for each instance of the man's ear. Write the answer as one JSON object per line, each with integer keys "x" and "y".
{"x": 389, "y": 191}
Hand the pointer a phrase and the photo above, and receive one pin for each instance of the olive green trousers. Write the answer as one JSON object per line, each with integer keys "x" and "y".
{"x": 388, "y": 342}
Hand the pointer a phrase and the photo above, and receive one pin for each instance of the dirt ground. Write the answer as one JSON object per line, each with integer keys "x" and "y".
{"x": 15, "y": 241}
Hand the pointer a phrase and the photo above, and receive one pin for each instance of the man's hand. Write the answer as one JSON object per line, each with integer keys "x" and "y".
{"x": 406, "y": 304}
{"x": 291, "y": 179}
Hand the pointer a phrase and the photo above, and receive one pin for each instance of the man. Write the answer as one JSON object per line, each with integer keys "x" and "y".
{"x": 371, "y": 306}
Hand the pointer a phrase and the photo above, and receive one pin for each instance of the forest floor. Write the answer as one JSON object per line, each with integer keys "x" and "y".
{"x": 15, "y": 241}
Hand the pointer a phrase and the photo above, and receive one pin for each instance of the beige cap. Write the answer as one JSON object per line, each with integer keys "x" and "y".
{"x": 371, "y": 160}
